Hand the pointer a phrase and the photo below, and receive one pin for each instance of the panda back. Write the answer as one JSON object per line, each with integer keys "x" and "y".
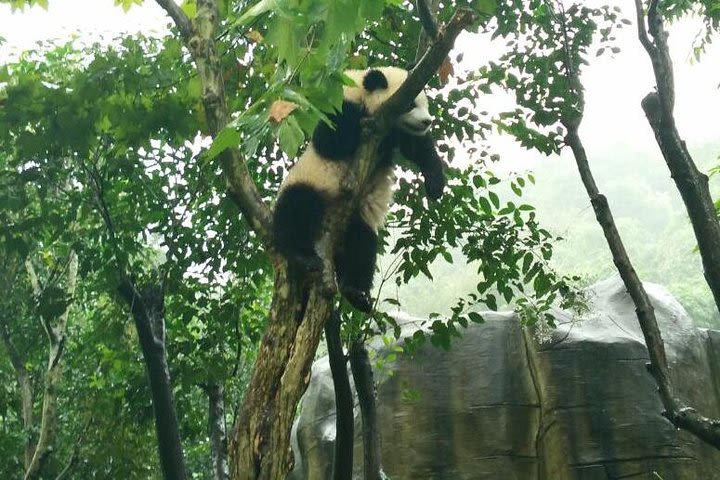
{"x": 312, "y": 170}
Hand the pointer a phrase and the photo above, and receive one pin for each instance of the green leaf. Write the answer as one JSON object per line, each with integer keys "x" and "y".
{"x": 485, "y": 7}
{"x": 290, "y": 136}
{"x": 190, "y": 8}
{"x": 228, "y": 137}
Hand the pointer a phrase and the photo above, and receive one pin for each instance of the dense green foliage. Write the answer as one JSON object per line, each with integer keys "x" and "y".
{"x": 104, "y": 152}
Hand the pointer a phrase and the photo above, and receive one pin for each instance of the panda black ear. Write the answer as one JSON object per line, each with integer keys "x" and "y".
{"x": 374, "y": 80}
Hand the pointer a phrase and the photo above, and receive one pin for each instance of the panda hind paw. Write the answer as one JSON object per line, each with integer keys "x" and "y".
{"x": 359, "y": 299}
{"x": 311, "y": 264}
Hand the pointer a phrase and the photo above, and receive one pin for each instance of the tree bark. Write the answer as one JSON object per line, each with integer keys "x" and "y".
{"x": 679, "y": 415}
{"x": 217, "y": 431}
{"x": 147, "y": 309}
{"x": 260, "y": 444}
{"x": 365, "y": 387}
{"x": 690, "y": 182}
{"x": 56, "y": 334}
{"x": 344, "y": 415}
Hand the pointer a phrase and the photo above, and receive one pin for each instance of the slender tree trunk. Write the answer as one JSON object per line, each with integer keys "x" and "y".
{"x": 147, "y": 308}
{"x": 344, "y": 416}
{"x": 680, "y": 415}
{"x": 365, "y": 387}
{"x": 218, "y": 431}
{"x": 690, "y": 182}
{"x": 56, "y": 331}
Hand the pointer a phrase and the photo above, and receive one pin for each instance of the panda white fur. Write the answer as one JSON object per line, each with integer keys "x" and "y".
{"x": 314, "y": 182}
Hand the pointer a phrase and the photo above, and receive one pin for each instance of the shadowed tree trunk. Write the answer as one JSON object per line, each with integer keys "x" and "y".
{"x": 344, "y": 415}
{"x": 217, "y": 431}
{"x": 365, "y": 387}
{"x": 148, "y": 311}
{"x": 690, "y": 182}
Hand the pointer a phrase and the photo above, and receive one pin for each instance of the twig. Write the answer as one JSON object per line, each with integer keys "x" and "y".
{"x": 642, "y": 31}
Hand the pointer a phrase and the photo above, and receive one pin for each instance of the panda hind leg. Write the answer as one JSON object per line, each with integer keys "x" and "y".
{"x": 355, "y": 264}
{"x": 297, "y": 225}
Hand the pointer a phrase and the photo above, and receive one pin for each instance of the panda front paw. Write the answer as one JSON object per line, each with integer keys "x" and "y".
{"x": 358, "y": 299}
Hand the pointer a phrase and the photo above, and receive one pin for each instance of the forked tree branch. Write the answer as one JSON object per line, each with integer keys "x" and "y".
{"x": 679, "y": 415}
{"x": 429, "y": 31}
{"x": 260, "y": 443}
{"x": 199, "y": 38}
{"x": 642, "y": 31}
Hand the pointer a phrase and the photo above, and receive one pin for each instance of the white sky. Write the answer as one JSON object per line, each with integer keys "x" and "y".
{"x": 91, "y": 18}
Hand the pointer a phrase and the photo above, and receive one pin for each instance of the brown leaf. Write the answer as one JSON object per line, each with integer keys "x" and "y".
{"x": 280, "y": 109}
{"x": 445, "y": 71}
{"x": 255, "y": 36}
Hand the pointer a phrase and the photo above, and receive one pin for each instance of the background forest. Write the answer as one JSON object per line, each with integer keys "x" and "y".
{"x": 148, "y": 327}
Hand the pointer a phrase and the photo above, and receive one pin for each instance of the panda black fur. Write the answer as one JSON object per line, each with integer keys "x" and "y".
{"x": 314, "y": 182}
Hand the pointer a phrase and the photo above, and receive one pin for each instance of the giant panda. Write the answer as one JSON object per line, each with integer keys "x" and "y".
{"x": 314, "y": 183}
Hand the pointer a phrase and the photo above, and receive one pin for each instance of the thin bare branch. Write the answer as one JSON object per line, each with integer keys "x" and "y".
{"x": 642, "y": 31}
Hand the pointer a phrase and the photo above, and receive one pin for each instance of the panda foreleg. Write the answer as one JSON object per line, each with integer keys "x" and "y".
{"x": 297, "y": 225}
{"x": 340, "y": 141}
{"x": 421, "y": 151}
{"x": 355, "y": 263}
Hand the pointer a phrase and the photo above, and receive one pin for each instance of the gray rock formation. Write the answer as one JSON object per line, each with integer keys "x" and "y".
{"x": 499, "y": 406}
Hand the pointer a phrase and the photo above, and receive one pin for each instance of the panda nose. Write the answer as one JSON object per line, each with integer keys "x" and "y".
{"x": 426, "y": 122}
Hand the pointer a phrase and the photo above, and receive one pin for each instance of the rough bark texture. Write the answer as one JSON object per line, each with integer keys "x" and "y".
{"x": 56, "y": 330}
{"x": 148, "y": 312}
{"x": 365, "y": 387}
{"x": 260, "y": 443}
{"x": 500, "y": 406}
{"x": 217, "y": 431}
{"x": 691, "y": 183}
{"x": 345, "y": 418}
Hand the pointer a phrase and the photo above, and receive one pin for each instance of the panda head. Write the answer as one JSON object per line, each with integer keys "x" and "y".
{"x": 376, "y": 85}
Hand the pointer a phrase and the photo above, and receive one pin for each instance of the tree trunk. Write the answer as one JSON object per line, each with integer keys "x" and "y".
{"x": 693, "y": 187}
{"x": 260, "y": 444}
{"x": 365, "y": 387}
{"x": 147, "y": 308}
{"x": 56, "y": 336}
{"x": 344, "y": 416}
{"x": 217, "y": 431}
{"x": 680, "y": 415}
{"x": 690, "y": 182}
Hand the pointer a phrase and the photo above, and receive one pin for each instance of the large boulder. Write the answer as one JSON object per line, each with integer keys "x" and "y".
{"x": 500, "y": 406}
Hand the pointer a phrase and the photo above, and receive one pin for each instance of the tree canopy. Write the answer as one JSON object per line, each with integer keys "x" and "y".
{"x": 137, "y": 177}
